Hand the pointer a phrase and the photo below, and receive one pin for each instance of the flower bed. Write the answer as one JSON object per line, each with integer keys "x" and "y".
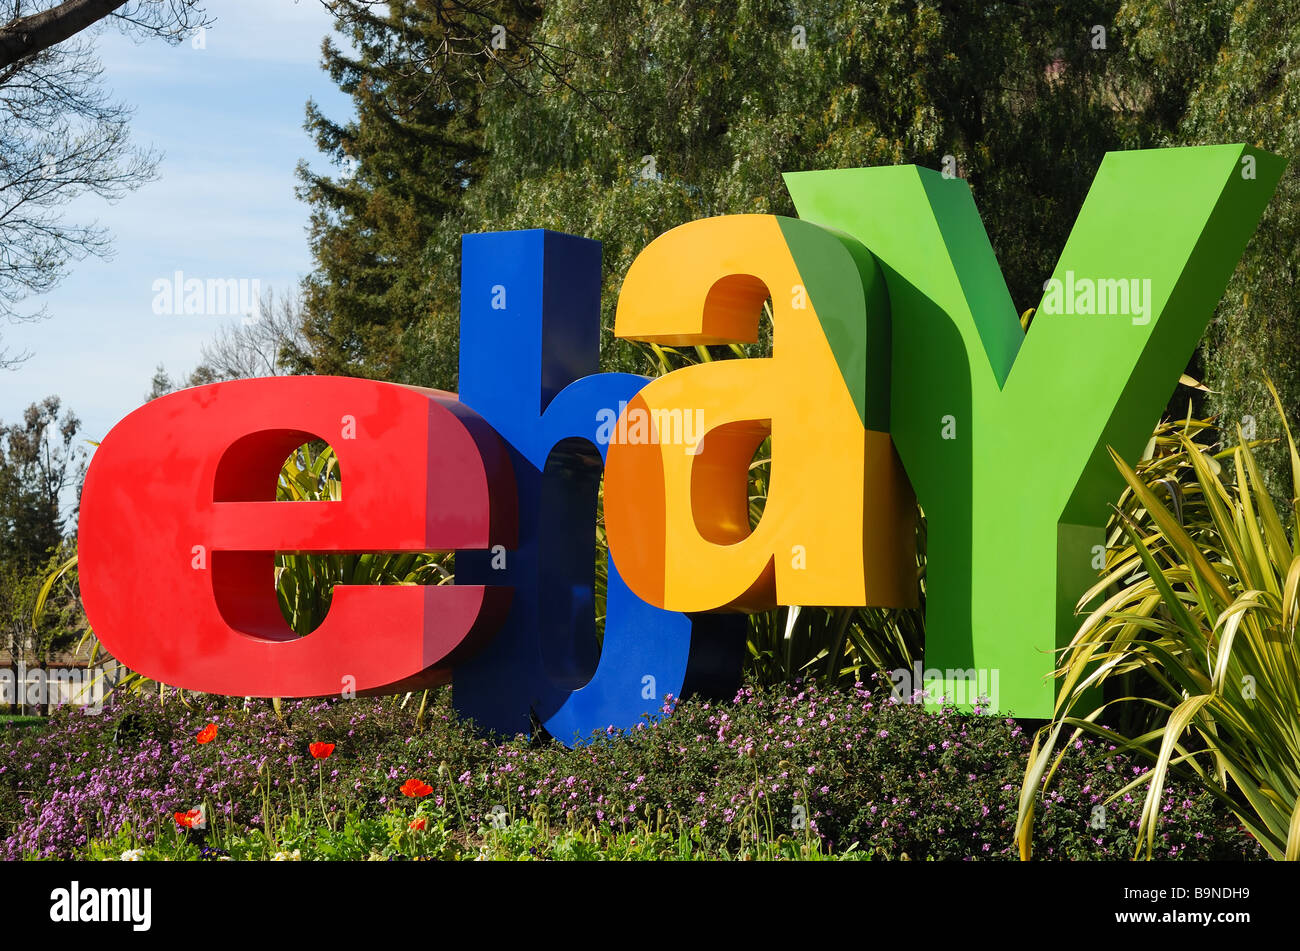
{"x": 839, "y": 770}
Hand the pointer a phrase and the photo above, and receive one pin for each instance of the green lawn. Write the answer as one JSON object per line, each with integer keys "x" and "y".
{"x": 16, "y": 720}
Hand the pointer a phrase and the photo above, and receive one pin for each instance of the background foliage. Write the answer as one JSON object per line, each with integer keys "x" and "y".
{"x": 558, "y": 128}
{"x": 621, "y": 119}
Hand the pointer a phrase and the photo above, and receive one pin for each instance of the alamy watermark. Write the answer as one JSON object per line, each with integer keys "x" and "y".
{"x": 973, "y": 687}
{"x": 133, "y": 906}
{"x": 211, "y": 297}
{"x": 1100, "y": 297}
{"x": 39, "y": 686}
{"x": 639, "y": 426}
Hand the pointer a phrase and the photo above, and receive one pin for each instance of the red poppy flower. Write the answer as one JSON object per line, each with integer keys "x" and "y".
{"x": 416, "y": 788}
{"x": 207, "y": 734}
{"x": 420, "y": 824}
{"x": 321, "y": 750}
{"x": 187, "y": 820}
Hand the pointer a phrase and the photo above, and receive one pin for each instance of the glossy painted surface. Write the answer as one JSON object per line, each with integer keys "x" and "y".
{"x": 1004, "y": 433}
{"x": 530, "y": 330}
{"x": 892, "y": 328}
{"x": 838, "y": 526}
{"x": 179, "y": 530}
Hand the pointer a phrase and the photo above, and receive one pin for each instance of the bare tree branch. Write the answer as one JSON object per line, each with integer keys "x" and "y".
{"x": 25, "y": 36}
{"x": 39, "y": 31}
{"x": 62, "y": 135}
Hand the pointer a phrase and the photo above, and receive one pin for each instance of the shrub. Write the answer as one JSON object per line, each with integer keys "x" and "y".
{"x": 1202, "y": 604}
{"x": 799, "y": 768}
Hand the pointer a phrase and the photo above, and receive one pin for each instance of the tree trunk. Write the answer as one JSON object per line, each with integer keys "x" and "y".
{"x": 40, "y": 31}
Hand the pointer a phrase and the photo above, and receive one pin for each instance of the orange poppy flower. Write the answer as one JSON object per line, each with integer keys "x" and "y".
{"x": 420, "y": 824}
{"x": 321, "y": 750}
{"x": 416, "y": 788}
{"x": 187, "y": 820}
{"x": 207, "y": 734}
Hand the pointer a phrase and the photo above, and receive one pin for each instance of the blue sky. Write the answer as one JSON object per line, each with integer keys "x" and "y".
{"x": 228, "y": 119}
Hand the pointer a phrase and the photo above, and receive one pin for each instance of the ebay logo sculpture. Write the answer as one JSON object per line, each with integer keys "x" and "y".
{"x": 898, "y": 364}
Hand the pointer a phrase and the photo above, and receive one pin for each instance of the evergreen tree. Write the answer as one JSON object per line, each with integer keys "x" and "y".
{"x": 1234, "y": 62}
{"x": 675, "y": 112}
{"x": 40, "y": 459}
{"x": 415, "y": 72}
{"x": 620, "y": 119}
